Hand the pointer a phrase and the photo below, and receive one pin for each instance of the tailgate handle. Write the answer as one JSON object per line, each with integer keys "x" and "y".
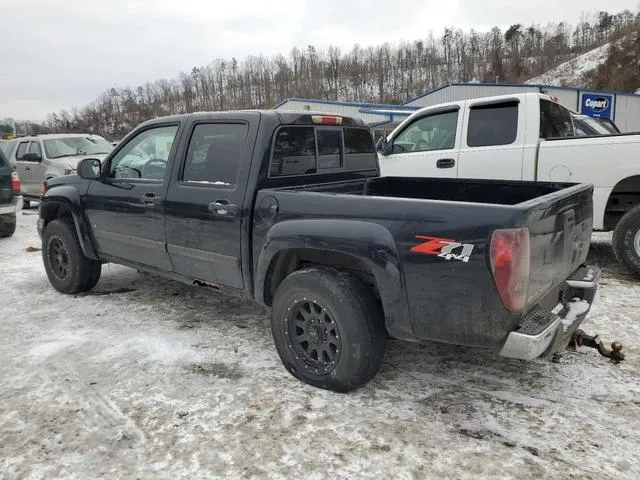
{"x": 445, "y": 163}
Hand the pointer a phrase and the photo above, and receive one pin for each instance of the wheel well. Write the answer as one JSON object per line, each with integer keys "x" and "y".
{"x": 288, "y": 261}
{"x": 624, "y": 196}
{"x": 53, "y": 211}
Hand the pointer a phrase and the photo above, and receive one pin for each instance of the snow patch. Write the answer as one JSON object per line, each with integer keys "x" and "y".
{"x": 570, "y": 73}
{"x": 577, "y": 307}
{"x": 50, "y": 348}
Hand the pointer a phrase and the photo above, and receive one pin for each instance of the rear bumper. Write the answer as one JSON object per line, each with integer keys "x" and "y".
{"x": 551, "y": 332}
{"x": 13, "y": 207}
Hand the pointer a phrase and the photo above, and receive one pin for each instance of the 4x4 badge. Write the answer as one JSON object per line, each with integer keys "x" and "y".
{"x": 443, "y": 247}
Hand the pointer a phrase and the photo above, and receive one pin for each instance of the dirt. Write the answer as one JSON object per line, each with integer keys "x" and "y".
{"x": 147, "y": 378}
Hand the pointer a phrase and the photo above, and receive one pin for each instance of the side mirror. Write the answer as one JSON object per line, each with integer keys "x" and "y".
{"x": 383, "y": 146}
{"x": 31, "y": 157}
{"x": 89, "y": 168}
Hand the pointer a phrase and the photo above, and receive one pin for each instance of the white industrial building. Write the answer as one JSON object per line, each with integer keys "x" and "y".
{"x": 622, "y": 108}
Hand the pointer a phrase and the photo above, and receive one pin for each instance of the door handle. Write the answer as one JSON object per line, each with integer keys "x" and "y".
{"x": 222, "y": 207}
{"x": 446, "y": 163}
{"x": 27, "y": 168}
{"x": 149, "y": 198}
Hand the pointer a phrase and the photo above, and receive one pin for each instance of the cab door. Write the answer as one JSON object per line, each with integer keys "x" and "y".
{"x": 34, "y": 169}
{"x": 426, "y": 147}
{"x": 204, "y": 205}
{"x": 23, "y": 167}
{"x": 126, "y": 206}
{"x": 493, "y": 140}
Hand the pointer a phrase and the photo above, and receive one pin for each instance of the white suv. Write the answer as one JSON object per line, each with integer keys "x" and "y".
{"x": 38, "y": 158}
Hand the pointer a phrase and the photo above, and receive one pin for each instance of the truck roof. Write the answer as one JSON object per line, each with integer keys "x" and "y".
{"x": 288, "y": 117}
{"x": 491, "y": 99}
{"x": 53, "y": 136}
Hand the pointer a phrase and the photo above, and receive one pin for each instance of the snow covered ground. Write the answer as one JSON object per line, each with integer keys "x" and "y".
{"x": 570, "y": 73}
{"x": 146, "y": 378}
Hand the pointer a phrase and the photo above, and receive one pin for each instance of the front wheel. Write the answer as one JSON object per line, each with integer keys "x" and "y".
{"x": 626, "y": 240}
{"x": 328, "y": 329}
{"x": 68, "y": 270}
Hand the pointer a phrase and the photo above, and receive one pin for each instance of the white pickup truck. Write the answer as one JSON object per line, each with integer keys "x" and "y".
{"x": 528, "y": 137}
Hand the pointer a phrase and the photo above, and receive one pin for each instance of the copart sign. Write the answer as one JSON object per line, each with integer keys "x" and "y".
{"x": 597, "y": 105}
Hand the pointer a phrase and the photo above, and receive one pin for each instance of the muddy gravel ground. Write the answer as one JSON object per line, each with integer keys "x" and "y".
{"x": 147, "y": 378}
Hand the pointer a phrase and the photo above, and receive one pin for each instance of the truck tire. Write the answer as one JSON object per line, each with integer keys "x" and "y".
{"x": 7, "y": 225}
{"x": 68, "y": 270}
{"x": 328, "y": 329}
{"x": 626, "y": 240}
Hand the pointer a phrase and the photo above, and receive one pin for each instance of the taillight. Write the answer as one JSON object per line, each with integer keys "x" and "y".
{"x": 509, "y": 255}
{"x": 15, "y": 183}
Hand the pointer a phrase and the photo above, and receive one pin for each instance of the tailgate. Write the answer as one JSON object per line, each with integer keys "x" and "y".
{"x": 6, "y": 194}
{"x": 560, "y": 226}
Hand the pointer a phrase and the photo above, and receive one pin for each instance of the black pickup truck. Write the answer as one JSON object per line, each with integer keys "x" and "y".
{"x": 10, "y": 199}
{"x": 290, "y": 209}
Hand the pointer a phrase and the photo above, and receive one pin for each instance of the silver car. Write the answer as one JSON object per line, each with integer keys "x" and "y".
{"x": 38, "y": 158}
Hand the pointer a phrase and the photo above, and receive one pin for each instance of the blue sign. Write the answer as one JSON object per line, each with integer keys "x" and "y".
{"x": 597, "y": 105}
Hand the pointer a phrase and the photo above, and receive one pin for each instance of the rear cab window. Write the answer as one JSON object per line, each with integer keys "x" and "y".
{"x": 309, "y": 149}
{"x": 555, "y": 120}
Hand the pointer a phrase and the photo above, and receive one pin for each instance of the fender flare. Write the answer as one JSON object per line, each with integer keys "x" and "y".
{"x": 68, "y": 198}
{"x": 369, "y": 243}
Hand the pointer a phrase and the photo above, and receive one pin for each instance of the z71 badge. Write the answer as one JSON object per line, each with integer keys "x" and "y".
{"x": 443, "y": 247}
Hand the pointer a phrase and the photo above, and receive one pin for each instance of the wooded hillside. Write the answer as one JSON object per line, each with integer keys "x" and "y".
{"x": 388, "y": 73}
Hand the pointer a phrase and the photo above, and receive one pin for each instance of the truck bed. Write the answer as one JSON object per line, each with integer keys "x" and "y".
{"x": 395, "y": 215}
{"x": 494, "y": 192}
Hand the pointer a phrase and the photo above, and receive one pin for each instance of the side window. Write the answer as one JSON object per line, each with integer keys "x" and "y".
{"x": 359, "y": 149}
{"x": 434, "y": 132}
{"x": 329, "y": 149}
{"x": 495, "y": 124}
{"x": 555, "y": 120}
{"x": 145, "y": 155}
{"x": 294, "y": 152}
{"x": 215, "y": 153}
{"x": 22, "y": 149}
{"x": 34, "y": 147}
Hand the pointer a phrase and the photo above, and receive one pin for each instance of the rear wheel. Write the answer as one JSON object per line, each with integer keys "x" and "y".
{"x": 328, "y": 330}
{"x": 26, "y": 205}
{"x": 7, "y": 225}
{"x": 626, "y": 240}
{"x": 68, "y": 270}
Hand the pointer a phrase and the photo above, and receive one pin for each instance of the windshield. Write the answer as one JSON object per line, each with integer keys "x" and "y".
{"x": 607, "y": 125}
{"x": 70, "y": 146}
{"x": 586, "y": 125}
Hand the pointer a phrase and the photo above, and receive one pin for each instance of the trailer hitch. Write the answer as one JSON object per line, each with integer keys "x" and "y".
{"x": 581, "y": 339}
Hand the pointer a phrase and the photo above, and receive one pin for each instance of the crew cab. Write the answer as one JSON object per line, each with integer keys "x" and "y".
{"x": 529, "y": 137}
{"x": 10, "y": 198}
{"x": 290, "y": 209}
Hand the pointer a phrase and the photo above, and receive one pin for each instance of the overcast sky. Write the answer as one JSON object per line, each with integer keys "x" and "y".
{"x": 64, "y": 53}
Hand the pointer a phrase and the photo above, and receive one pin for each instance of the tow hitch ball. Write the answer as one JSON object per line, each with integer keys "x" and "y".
{"x": 581, "y": 339}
